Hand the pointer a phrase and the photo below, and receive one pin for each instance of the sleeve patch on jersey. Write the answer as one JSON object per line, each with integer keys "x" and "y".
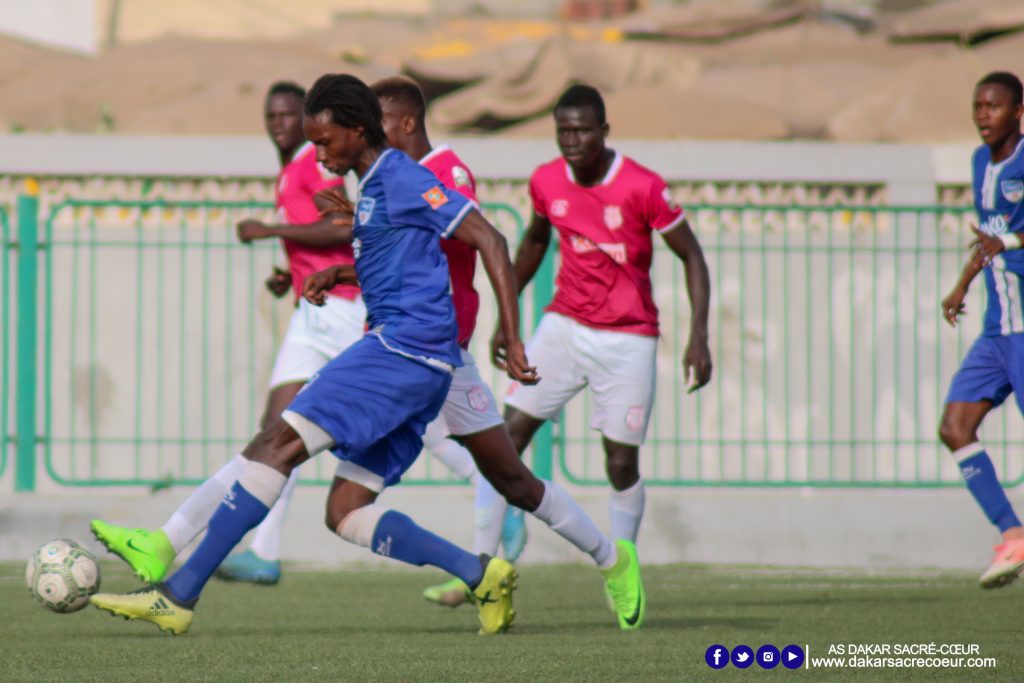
{"x": 435, "y": 197}
{"x": 460, "y": 176}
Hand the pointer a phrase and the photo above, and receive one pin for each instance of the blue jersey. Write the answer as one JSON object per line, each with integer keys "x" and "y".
{"x": 998, "y": 195}
{"x": 402, "y": 211}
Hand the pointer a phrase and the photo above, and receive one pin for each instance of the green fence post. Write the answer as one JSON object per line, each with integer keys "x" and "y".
{"x": 543, "y": 441}
{"x": 28, "y": 253}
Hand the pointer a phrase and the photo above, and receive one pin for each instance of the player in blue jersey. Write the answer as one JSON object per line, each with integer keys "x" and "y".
{"x": 370, "y": 404}
{"x": 994, "y": 365}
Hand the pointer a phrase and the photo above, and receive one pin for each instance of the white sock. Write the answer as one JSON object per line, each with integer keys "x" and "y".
{"x": 192, "y": 516}
{"x": 266, "y": 544}
{"x": 450, "y": 452}
{"x": 359, "y": 525}
{"x": 489, "y": 518}
{"x": 626, "y": 509}
{"x": 567, "y": 519}
{"x": 263, "y": 482}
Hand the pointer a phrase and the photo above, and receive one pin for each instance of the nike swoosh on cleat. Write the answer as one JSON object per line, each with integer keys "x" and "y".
{"x": 138, "y": 550}
{"x": 632, "y": 619}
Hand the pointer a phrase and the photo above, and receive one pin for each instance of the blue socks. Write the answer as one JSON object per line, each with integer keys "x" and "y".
{"x": 980, "y": 477}
{"x": 237, "y": 513}
{"x": 399, "y": 537}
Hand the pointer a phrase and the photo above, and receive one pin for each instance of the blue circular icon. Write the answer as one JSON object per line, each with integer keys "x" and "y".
{"x": 742, "y": 656}
{"x": 768, "y": 656}
{"x": 792, "y": 656}
{"x": 717, "y": 656}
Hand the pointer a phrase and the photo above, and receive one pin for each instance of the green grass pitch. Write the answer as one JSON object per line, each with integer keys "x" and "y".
{"x": 372, "y": 625}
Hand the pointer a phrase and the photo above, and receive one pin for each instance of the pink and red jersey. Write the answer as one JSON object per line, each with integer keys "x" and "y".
{"x": 297, "y": 182}
{"x": 450, "y": 170}
{"x": 604, "y": 280}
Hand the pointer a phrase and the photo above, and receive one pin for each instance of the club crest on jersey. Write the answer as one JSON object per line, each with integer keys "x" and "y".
{"x": 435, "y": 197}
{"x": 460, "y": 176}
{"x": 1013, "y": 190}
{"x": 365, "y": 209}
{"x": 559, "y": 208}
{"x": 613, "y": 217}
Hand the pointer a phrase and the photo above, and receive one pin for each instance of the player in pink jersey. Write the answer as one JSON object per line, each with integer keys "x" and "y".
{"x": 601, "y": 328}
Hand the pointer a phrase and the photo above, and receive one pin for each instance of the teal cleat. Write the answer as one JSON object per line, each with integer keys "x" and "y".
{"x": 513, "y": 533}
{"x": 247, "y": 567}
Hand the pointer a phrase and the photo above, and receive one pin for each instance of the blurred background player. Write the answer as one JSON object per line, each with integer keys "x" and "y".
{"x": 370, "y": 405}
{"x": 994, "y": 365}
{"x": 601, "y": 327}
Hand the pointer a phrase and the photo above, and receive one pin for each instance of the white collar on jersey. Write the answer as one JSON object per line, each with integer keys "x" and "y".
{"x": 613, "y": 171}
{"x": 437, "y": 151}
{"x": 373, "y": 169}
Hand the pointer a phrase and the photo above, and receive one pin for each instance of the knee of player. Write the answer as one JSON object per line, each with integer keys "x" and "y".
{"x": 522, "y": 494}
{"x": 953, "y": 434}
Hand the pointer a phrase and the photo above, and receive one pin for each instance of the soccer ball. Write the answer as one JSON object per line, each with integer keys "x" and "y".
{"x": 62, "y": 575}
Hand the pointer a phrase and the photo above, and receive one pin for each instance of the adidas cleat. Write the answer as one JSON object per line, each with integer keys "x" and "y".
{"x": 248, "y": 567}
{"x": 493, "y": 596}
{"x": 1006, "y": 565}
{"x": 449, "y": 594}
{"x": 148, "y": 553}
{"x": 624, "y": 586}
{"x": 151, "y": 604}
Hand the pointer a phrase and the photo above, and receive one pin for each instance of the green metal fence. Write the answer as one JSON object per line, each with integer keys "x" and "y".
{"x": 831, "y": 356}
{"x": 158, "y": 339}
{"x": 5, "y": 343}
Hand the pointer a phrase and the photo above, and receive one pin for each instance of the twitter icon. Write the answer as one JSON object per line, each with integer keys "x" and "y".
{"x": 742, "y": 656}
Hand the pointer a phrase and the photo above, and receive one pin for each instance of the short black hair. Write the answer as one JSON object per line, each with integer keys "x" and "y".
{"x": 1008, "y": 81}
{"x": 286, "y": 88}
{"x": 404, "y": 91}
{"x": 581, "y": 95}
{"x": 351, "y": 104}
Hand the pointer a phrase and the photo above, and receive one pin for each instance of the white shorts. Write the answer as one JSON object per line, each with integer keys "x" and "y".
{"x": 619, "y": 367}
{"x": 470, "y": 406}
{"x": 315, "y": 335}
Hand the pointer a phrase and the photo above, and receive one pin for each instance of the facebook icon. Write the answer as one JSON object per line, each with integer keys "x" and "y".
{"x": 717, "y": 656}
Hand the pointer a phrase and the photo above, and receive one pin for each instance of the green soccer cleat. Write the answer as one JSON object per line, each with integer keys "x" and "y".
{"x": 149, "y": 604}
{"x": 493, "y": 596}
{"x": 623, "y": 584}
{"x": 451, "y": 593}
{"x": 148, "y": 553}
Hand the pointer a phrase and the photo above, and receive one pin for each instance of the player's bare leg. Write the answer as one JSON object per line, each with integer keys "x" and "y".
{"x": 959, "y": 432}
{"x": 626, "y": 507}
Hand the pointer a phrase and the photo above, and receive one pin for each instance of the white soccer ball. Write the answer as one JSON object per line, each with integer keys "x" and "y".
{"x": 62, "y": 575}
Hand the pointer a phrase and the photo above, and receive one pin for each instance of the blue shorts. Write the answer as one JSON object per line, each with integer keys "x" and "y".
{"x": 376, "y": 404}
{"x": 993, "y": 367}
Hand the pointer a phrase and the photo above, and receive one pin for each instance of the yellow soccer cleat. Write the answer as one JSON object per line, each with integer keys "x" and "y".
{"x": 149, "y": 604}
{"x": 493, "y": 596}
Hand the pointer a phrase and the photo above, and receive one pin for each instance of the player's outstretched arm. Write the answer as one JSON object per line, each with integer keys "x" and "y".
{"x": 316, "y": 286}
{"x": 330, "y": 231}
{"x": 953, "y": 305}
{"x": 697, "y": 358}
{"x": 532, "y": 249}
{"x": 475, "y": 231}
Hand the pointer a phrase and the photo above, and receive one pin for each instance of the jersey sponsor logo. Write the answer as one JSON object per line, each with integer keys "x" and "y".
{"x": 477, "y": 399}
{"x": 559, "y": 208}
{"x": 581, "y": 245}
{"x": 995, "y": 225}
{"x": 613, "y": 217}
{"x": 357, "y": 247}
{"x": 1013, "y": 190}
{"x": 365, "y": 209}
{"x": 460, "y": 176}
{"x": 435, "y": 197}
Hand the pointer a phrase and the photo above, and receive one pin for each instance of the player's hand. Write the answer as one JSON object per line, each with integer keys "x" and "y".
{"x": 498, "y": 349}
{"x": 332, "y": 202}
{"x": 987, "y": 246}
{"x": 279, "y": 282}
{"x": 953, "y": 306}
{"x": 696, "y": 364}
{"x": 316, "y": 286}
{"x": 516, "y": 365}
{"x": 249, "y": 230}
